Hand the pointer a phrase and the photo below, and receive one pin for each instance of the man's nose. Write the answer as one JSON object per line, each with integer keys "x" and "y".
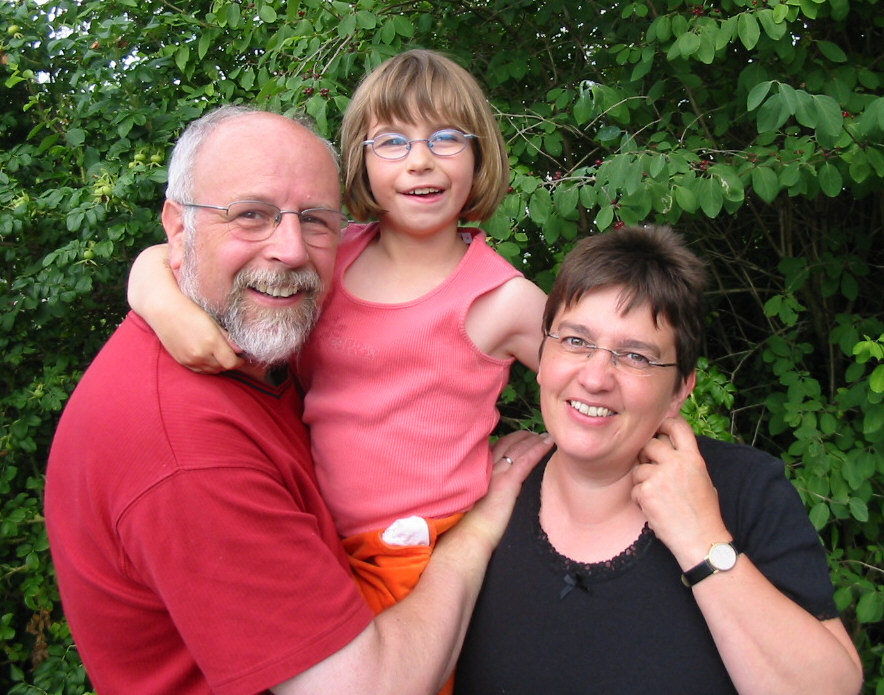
{"x": 286, "y": 242}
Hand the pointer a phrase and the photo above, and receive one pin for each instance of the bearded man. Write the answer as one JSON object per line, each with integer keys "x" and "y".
{"x": 193, "y": 551}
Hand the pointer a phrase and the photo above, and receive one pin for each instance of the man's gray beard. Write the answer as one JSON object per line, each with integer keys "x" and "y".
{"x": 267, "y": 336}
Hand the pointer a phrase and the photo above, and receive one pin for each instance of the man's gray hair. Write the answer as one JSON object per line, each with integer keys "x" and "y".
{"x": 183, "y": 160}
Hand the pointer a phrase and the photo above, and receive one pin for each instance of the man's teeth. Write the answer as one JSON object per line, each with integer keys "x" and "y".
{"x": 590, "y": 410}
{"x": 274, "y": 290}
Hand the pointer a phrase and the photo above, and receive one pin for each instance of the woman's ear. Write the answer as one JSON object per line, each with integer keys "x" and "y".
{"x": 173, "y": 222}
{"x": 682, "y": 391}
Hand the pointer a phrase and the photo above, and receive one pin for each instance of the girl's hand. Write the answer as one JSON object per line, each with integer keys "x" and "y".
{"x": 197, "y": 342}
{"x": 188, "y": 333}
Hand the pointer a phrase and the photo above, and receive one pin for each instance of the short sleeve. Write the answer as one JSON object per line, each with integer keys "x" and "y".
{"x": 253, "y": 590}
{"x": 764, "y": 512}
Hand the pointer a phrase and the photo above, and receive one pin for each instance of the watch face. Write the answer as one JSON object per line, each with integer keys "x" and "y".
{"x": 722, "y": 556}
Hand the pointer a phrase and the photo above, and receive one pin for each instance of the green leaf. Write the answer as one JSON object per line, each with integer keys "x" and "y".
{"x": 403, "y": 26}
{"x": 605, "y": 217}
{"x": 583, "y": 109}
{"x": 829, "y": 119}
{"x": 182, "y": 55}
{"x": 859, "y": 510}
{"x": 876, "y": 380}
{"x": 789, "y": 175}
{"x": 809, "y": 8}
{"x": 772, "y": 114}
{"x": 730, "y": 184}
{"x": 687, "y": 44}
{"x": 832, "y": 51}
{"x": 819, "y": 515}
{"x": 873, "y": 420}
{"x": 267, "y": 14}
{"x": 233, "y": 15}
{"x": 773, "y": 27}
{"x": 789, "y": 96}
{"x": 765, "y": 183}
{"x": 747, "y": 30}
{"x": 204, "y": 44}
{"x": 609, "y": 133}
{"x": 686, "y": 199}
{"x": 757, "y": 95}
{"x": 710, "y": 196}
{"x": 660, "y": 29}
{"x": 75, "y": 137}
{"x": 830, "y": 180}
{"x": 870, "y": 607}
{"x": 565, "y": 199}
{"x": 367, "y": 20}
{"x": 540, "y": 206}
{"x": 347, "y": 25}
{"x": 805, "y": 109}
{"x": 587, "y": 197}
{"x": 641, "y": 69}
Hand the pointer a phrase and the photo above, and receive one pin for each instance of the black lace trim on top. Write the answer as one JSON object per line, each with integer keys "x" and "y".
{"x": 597, "y": 571}
{"x": 579, "y": 575}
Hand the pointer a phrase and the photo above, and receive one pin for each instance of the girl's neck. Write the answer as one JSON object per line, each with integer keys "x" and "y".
{"x": 397, "y": 268}
{"x": 434, "y": 248}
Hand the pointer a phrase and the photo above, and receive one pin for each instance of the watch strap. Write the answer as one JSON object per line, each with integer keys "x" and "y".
{"x": 701, "y": 571}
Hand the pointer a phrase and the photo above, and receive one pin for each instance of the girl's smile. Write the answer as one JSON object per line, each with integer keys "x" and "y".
{"x": 421, "y": 193}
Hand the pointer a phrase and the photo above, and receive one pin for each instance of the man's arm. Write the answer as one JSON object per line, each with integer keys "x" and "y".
{"x": 412, "y": 647}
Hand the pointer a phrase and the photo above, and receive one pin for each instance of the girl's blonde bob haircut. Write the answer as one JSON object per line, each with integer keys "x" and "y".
{"x": 423, "y": 85}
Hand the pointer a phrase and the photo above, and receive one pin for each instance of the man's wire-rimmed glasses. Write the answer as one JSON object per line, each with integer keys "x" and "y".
{"x": 627, "y": 361}
{"x": 254, "y": 220}
{"x": 442, "y": 143}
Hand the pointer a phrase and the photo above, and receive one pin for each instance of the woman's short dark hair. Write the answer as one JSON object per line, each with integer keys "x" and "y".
{"x": 421, "y": 84}
{"x": 654, "y": 267}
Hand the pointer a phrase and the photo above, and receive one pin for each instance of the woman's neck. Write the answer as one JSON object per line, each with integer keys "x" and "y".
{"x": 588, "y": 517}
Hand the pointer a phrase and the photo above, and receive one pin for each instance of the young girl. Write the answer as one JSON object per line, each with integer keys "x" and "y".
{"x": 413, "y": 347}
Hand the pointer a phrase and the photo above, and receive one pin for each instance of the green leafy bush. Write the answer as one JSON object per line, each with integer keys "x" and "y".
{"x": 755, "y": 127}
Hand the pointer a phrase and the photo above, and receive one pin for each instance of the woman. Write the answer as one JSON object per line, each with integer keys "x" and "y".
{"x": 641, "y": 559}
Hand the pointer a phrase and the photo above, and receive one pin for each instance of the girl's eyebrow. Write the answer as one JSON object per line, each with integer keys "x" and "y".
{"x": 432, "y": 127}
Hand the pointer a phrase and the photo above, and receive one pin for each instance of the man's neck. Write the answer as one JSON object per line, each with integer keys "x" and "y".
{"x": 273, "y": 375}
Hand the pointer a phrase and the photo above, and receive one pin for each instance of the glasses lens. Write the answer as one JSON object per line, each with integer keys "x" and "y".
{"x": 447, "y": 142}
{"x": 252, "y": 218}
{"x": 634, "y": 362}
{"x": 321, "y": 227}
{"x": 390, "y": 145}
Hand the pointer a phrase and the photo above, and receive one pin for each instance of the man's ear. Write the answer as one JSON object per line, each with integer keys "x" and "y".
{"x": 173, "y": 223}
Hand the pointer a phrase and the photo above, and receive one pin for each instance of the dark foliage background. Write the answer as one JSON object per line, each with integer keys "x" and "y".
{"x": 755, "y": 127}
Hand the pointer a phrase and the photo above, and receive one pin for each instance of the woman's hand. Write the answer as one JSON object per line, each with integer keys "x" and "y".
{"x": 673, "y": 489}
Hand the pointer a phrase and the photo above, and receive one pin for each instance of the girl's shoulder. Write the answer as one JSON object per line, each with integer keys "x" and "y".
{"x": 358, "y": 230}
